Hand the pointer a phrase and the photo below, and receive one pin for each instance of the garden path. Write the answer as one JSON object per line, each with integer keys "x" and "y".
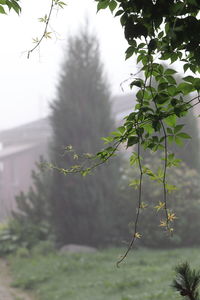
{"x": 6, "y": 291}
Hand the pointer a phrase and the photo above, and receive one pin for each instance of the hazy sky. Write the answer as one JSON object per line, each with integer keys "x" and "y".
{"x": 28, "y": 85}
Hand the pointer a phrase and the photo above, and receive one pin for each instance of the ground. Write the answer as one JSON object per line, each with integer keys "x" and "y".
{"x": 6, "y": 291}
{"x": 146, "y": 274}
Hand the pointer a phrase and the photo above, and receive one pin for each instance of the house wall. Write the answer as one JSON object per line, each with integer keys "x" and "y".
{"x": 15, "y": 176}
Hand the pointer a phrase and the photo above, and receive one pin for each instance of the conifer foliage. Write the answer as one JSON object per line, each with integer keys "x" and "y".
{"x": 82, "y": 209}
{"x": 33, "y": 205}
{"x": 187, "y": 282}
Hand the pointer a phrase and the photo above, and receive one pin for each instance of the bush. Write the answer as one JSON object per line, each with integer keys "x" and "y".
{"x": 185, "y": 202}
{"x": 22, "y": 253}
{"x": 43, "y": 248}
{"x": 8, "y": 240}
{"x": 17, "y": 234}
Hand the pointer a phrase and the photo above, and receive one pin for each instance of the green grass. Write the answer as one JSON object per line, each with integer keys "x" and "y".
{"x": 146, "y": 274}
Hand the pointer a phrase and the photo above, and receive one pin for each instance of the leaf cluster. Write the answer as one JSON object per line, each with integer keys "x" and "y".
{"x": 10, "y": 4}
{"x": 163, "y": 102}
{"x": 143, "y": 19}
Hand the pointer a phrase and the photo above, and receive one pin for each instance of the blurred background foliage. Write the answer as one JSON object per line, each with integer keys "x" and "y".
{"x": 99, "y": 209}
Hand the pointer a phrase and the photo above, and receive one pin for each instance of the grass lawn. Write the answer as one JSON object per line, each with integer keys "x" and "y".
{"x": 146, "y": 274}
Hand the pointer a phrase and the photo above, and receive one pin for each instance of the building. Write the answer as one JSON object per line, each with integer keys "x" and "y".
{"x": 22, "y": 146}
{"x": 20, "y": 149}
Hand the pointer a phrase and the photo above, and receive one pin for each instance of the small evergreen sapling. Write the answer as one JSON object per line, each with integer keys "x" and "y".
{"x": 187, "y": 281}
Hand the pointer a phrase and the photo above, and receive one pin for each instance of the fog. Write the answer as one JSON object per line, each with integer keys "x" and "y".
{"x": 69, "y": 211}
{"x": 28, "y": 85}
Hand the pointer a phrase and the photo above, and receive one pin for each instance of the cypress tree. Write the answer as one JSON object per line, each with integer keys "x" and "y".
{"x": 82, "y": 209}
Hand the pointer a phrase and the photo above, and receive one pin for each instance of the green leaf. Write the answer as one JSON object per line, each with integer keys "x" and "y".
{"x": 185, "y": 88}
{"x": 152, "y": 45}
{"x": 193, "y": 68}
{"x": 174, "y": 57}
{"x": 161, "y": 98}
{"x": 102, "y": 5}
{"x": 107, "y": 140}
{"x": 116, "y": 134}
{"x": 183, "y": 135}
{"x": 178, "y": 141}
{"x": 112, "y": 5}
{"x": 162, "y": 86}
{"x": 178, "y": 128}
{"x": 160, "y": 35}
{"x": 165, "y": 56}
{"x": 129, "y": 52}
{"x": 85, "y": 172}
{"x": 169, "y": 130}
{"x": 121, "y": 129}
{"x": 189, "y": 79}
{"x": 138, "y": 83}
{"x": 132, "y": 140}
{"x": 170, "y": 187}
{"x": 135, "y": 183}
{"x": 170, "y": 72}
{"x": 15, "y": 6}
{"x": 148, "y": 128}
{"x": 186, "y": 67}
{"x": 134, "y": 159}
{"x": 161, "y": 69}
{"x": 61, "y": 4}
{"x": 139, "y": 95}
{"x": 140, "y": 57}
{"x": 197, "y": 83}
{"x": 123, "y": 19}
{"x": 172, "y": 90}
{"x": 181, "y": 110}
{"x": 171, "y": 120}
{"x": 170, "y": 156}
{"x": 141, "y": 45}
{"x": 170, "y": 79}
{"x": 2, "y": 11}
{"x": 119, "y": 12}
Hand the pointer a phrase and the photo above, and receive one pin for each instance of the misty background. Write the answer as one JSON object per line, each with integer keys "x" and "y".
{"x": 31, "y": 87}
{"x": 34, "y": 80}
{"x": 62, "y": 235}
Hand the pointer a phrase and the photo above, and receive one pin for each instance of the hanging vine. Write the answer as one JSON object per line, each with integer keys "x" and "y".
{"x": 156, "y": 31}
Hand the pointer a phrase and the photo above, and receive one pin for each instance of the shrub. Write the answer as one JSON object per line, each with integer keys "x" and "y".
{"x": 185, "y": 202}
{"x": 22, "y": 252}
{"x": 17, "y": 234}
{"x": 43, "y": 248}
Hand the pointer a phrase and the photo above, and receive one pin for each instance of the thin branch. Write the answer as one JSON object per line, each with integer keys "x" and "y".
{"x": 164, "y": 176}
{"x": 82, "y": 168}
{"x": 138, "y": 210}
{"x": 165, "y": 160}
{"x": 140, "y": 187}
{"x": 45, "y": 29}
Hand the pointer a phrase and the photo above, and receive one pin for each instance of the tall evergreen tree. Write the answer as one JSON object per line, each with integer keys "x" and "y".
{"x": 83, "y": 209}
